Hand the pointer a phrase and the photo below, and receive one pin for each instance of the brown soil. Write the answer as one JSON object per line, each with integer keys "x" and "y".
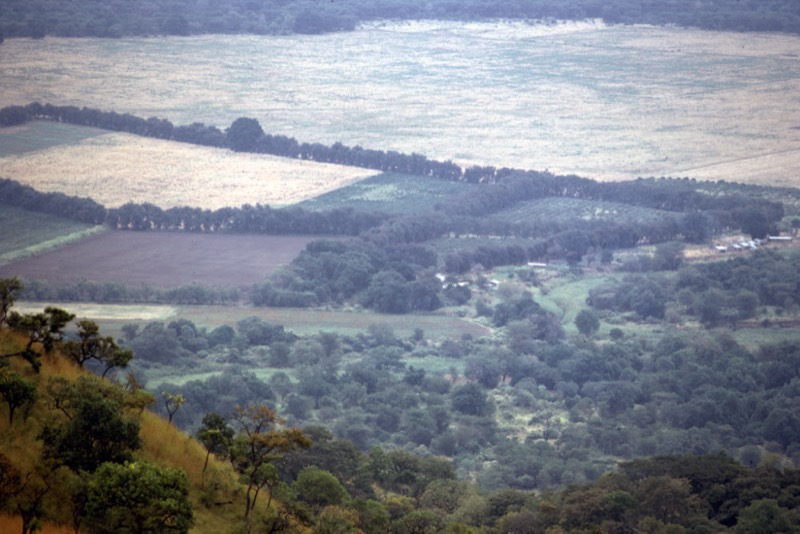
{"x": 163, "y": 259}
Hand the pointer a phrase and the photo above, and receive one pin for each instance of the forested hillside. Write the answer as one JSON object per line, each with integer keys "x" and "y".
{"x": 85, "y": 18}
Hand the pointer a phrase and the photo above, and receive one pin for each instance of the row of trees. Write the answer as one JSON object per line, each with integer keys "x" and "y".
{"x": 170, "y": 17}
{"x": 119, "y": 292}
{"x": 246, "y": 219}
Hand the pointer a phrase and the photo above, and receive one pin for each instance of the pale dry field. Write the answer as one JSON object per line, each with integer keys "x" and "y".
{"x": 606, "y": 102}
{"x": 97, "y": 312}
{"x": 115, "y": 168}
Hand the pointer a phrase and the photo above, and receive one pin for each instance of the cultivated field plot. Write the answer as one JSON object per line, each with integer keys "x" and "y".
{"x": 606, "y": 102}
{"x": 390, "y": 193}
{"x": 569, "y": 209}
{"x": 20, "y": 229}
{"x": 40, "y": 135}
{"x": 162, "y": 259}
{"x": 116, "y": 168}
{"x": 112, "y": 317}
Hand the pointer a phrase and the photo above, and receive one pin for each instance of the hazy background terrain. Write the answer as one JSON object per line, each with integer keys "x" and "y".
{"x": 607, "y": 102}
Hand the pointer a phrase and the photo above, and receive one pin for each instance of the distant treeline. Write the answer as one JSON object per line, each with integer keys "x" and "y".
{"x": 118, "y": 292}
{"x": 89, "y": 18}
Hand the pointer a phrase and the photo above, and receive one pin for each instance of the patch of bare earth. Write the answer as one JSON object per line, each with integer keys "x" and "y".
{"x": 163, "y": 259}
{"x": 116, "y": 168}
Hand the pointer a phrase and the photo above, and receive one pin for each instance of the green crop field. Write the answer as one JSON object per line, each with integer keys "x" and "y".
{"x": 39, "y": 135}
{"x": 24, "y": 232}
{"x": 569, "y": 209}
{"x": 390, "y": 193}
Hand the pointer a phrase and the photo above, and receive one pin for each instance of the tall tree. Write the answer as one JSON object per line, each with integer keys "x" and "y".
{"x": 243, "y": 134}
{"x": 43, "y": 330}
{"x": 9, "y": 287}
{"x": 216, "y": 436}
{"x": 587, "y": 322}
{"x": 96, "y": 432}
{"x": 16, "y": 391}
{"x": 91, "y": 346}
{"x": 262, "y": 439}
{"x": 138, "y": 497}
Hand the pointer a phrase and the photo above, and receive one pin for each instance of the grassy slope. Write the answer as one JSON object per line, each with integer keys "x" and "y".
{"x": 163, "y": 444}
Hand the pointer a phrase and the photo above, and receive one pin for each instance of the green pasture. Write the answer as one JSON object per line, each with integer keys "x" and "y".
{"x": 39, "y": 135}
{"x": 435, "y": 365}
{"x": 752, "y": 338}
{"x": 570, "y": 209}
{"x": 390, "y": 193}
{"x": 24, "y": 232}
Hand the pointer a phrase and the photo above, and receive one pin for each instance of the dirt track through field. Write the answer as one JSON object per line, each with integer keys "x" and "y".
{"x": 163, "y": 259}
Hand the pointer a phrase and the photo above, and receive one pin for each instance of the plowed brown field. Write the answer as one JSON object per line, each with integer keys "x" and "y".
{"x": 162, "y": 259}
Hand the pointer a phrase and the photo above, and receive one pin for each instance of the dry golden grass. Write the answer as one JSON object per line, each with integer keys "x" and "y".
{"x": 608, "y": 102}
{"x": 113, "y": 312}
{"x": 116, "y": 168}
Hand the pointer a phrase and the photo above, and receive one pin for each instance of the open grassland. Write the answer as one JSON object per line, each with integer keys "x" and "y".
{"x": 390, "y": 193}
{"x": 116, "y": 168}
{"x": 162, "y": 259}
{"x": 607, "y": 102}
{"x": 23, "y": 231}
{"x": 569, "y": 209}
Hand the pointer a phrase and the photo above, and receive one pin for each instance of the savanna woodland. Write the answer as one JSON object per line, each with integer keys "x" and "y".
{"x": 481, "y": 349}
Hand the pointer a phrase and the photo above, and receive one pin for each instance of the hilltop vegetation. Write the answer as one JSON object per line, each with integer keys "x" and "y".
{"x": 80, "y": 18}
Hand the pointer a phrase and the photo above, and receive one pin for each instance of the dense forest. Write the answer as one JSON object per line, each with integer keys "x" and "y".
{"x": 84, "y": 18}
